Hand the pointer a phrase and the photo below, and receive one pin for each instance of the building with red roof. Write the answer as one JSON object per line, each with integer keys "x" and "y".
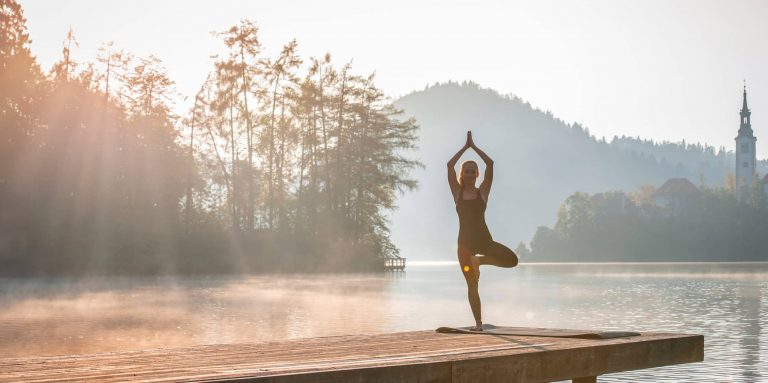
{"x": 677, "y": 195}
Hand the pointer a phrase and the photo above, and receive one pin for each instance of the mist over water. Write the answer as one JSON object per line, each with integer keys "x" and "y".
{"x": 725, "y": 302}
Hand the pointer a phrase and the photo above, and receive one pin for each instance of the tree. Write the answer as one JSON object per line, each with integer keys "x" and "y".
{"x": 62, "y": 70}
{"x": 643, "y": 196}
{"x": 244, "y": 64}
{"x": 103, "y": 181}
{"x": 223, "y": 106}
{"x": 149, "y": 88}
{"x": 20, "y": 87}
{"x": 115, "y": 62}
{"x": 522, "y": 251}
{"x": 277, "y": 73}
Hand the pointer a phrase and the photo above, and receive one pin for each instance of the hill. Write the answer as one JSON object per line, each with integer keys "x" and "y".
{"x": 540, "y": 161}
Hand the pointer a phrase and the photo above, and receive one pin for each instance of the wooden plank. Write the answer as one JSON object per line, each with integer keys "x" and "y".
{"x": 419, "y": 356}
{"x": 597, "y": 359}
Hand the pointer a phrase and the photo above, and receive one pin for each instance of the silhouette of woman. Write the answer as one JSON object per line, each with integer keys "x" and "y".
{"x": 474, "y": 237}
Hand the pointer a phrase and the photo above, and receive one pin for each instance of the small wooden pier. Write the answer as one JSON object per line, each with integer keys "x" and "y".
{"x": 419, "y": 356}
{"x": 394, "y": 262}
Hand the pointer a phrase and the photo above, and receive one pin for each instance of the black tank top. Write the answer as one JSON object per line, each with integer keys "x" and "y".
{"x": 473, "y": 232}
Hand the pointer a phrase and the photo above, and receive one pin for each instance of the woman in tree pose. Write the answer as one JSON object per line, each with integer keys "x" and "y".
{"x": 474, "y": 237}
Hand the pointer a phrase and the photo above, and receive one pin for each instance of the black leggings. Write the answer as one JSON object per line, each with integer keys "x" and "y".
{"x": 494, "y": 254}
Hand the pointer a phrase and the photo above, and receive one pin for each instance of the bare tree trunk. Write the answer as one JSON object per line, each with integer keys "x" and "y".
{"x": 280, "y": 164}
{"x": 271, "y": 155}
{"x": 360, "y": 202}
{"x": 109, "y": 67}
{"x": 340, "y": 140}
{"x": 149, "y": 100}
{"x": 189, "y": 202}
{"x": 325, "y": 143}
{"x": 249, "y": 132}
{"x": 235, "y": 218}
{"x": 221, "y": 163}
{"x": 302, "y": 165}
{"x": 313, "y": 170}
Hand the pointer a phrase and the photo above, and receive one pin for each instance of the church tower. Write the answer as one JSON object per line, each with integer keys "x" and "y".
{"x": 746, "y": 159}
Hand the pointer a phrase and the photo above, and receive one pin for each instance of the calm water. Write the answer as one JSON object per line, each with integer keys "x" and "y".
{"x": 728, "y": 303}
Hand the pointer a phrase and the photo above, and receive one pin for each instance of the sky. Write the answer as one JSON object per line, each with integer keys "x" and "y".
{"x": 667, "y": 70}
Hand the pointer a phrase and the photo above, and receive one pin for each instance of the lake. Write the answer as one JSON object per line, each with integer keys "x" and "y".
{"x": 727, "y": 302}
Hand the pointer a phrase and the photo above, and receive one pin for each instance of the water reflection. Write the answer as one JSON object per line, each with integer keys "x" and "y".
{"x": 723, "y": 301}
{"x": 63, "y": 317}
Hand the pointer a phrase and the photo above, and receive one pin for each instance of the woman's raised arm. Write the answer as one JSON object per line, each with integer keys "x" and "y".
{"x": 485, "y": 187}
{"x": 452, "y": 181}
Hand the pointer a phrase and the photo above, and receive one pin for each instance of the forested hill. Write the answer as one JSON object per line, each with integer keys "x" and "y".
{"x": 540, "y": 160}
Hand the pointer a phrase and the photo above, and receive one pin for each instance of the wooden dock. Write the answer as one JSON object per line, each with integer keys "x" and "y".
{"x": 394, "y": 263}
{"x": 419, "y": 356}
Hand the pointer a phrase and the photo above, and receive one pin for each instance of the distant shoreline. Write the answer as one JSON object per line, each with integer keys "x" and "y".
{"x": 441, "y": 263}
{"x": 410, "y": 265}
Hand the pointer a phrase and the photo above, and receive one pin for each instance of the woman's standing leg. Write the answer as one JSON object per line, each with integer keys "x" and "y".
{"x": 499, "y": 255}
{"x": 471, "y": 276}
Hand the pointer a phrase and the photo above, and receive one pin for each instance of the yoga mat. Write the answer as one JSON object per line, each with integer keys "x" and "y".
{"x": 489, "y": 329}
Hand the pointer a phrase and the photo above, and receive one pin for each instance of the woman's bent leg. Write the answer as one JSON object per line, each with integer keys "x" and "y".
{"x": 471, "y": 278}
{"x": 499, "y": 255}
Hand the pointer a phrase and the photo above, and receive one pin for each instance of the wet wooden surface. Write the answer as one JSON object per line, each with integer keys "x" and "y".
{"x": 418, "y": 356}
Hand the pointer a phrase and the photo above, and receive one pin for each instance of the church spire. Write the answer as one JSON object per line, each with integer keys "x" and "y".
{"x": 745, "y": 127}
{"x": 744, "y": 107}
{"x": 746, "y": 159}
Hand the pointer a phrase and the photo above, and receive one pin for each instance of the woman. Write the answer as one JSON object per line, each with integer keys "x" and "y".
{"x": 474, "y": 237}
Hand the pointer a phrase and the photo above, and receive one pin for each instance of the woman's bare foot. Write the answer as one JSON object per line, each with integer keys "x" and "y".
{"x": 477, "y": 327}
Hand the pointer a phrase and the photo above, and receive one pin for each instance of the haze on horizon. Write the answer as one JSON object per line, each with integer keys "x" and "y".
{"x": 654, "y": 69}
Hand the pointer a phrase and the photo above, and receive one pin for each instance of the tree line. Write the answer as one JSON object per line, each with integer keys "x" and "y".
{"x": 281, "y": 163}
{"x": 712, "y": 225}
{"x": 703, "y": 163}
